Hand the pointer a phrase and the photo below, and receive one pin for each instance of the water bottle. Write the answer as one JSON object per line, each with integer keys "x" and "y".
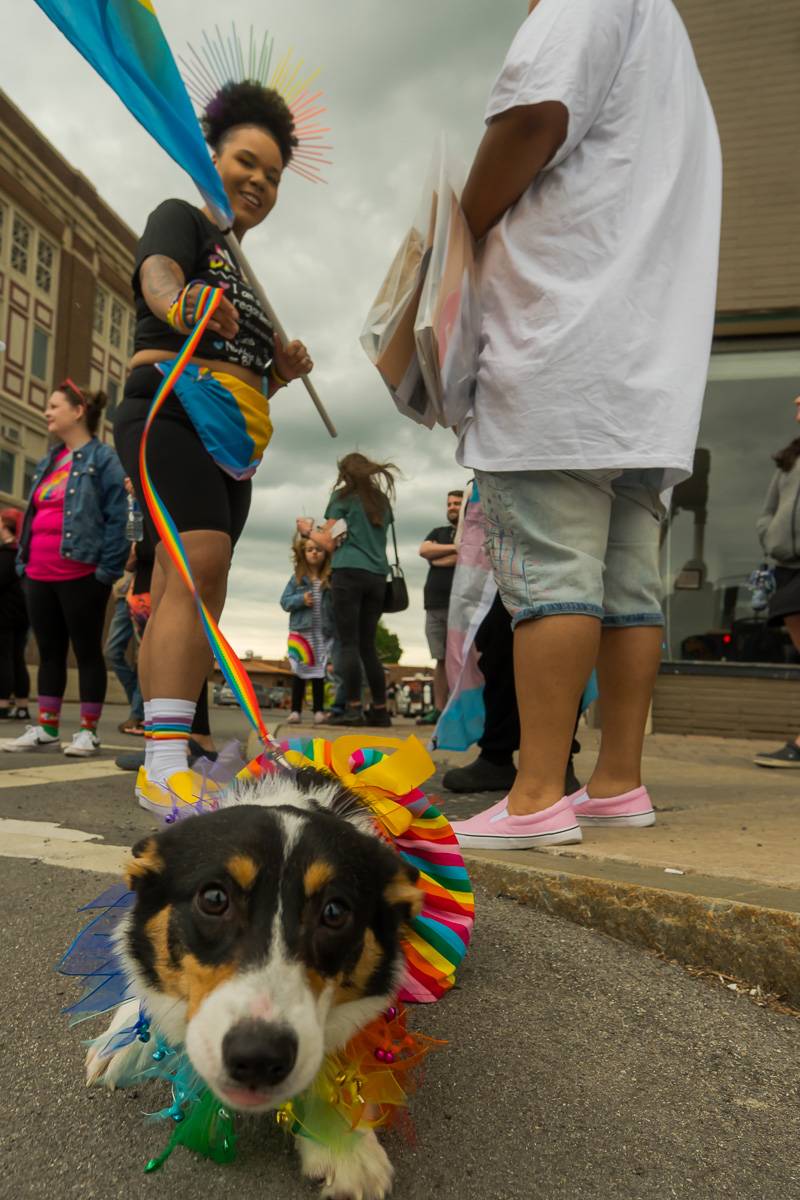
{"x": 134, "y": 528}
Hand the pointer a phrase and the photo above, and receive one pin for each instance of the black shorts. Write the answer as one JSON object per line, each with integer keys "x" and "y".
{"x": 196, "y": 492}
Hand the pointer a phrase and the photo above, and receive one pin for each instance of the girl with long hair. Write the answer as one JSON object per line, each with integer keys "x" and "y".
{"x": 307, "y": 599}
{"x": 202, "y": 476}
{"x": 362, "y": 495}
{"x": 71, "y": 549}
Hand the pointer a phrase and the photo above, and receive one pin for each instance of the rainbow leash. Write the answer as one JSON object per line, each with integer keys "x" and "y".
{"x": 229, "y": 663}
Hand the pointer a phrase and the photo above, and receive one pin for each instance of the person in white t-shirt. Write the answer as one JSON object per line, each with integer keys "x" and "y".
{"x": 597, "y": 189}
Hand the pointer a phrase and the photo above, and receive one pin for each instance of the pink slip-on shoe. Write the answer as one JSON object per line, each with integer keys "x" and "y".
{"x": 631, "y": 808}
{"x": 494, "y": 829}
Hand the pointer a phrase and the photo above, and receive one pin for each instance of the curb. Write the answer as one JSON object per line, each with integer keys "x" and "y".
{"x": 755, "y": 944}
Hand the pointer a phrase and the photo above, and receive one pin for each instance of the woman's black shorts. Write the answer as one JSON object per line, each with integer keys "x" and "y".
{"x": 195, "y": 491}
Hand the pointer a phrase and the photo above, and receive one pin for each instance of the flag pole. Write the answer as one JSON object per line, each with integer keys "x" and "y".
{"x": 238, "y": 253}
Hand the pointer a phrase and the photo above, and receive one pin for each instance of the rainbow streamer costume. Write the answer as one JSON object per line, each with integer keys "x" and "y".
{"x": 367, "y": 1084}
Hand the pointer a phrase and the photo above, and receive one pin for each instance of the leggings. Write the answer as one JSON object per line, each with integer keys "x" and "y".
{"x": 14, "y": 678}
{"x": 71, "y": 610}
{"x": 358, "y": 598}
{"x": 299, "y": 691}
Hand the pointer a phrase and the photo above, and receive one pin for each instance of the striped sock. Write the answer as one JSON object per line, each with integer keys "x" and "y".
{"x": 90, "y": 715}
{"x": 169, "y": 723}
{"x": 50, "y": 714}
{"x": 148, "y": 745}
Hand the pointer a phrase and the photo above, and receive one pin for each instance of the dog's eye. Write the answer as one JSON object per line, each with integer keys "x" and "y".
{"x": 335, "y": 914}
{"x": 213, "y": 900}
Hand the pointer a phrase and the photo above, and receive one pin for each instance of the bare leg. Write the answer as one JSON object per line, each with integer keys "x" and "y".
{"x": 553, "y": 659}
{"x": 440, "y": 688}
{"x": 175, "y": 656}
{"x": 627, "y": 666}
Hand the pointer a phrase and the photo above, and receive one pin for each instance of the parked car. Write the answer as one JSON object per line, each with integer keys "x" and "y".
{"x": 223, "y": 695}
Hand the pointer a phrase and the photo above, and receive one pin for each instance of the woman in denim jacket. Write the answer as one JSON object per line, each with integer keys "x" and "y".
{"x": 307, "y": 599}
{"x": 72, "y": 548}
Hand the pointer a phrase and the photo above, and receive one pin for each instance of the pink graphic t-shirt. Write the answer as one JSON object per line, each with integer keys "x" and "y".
{"x": 45, "y": 561}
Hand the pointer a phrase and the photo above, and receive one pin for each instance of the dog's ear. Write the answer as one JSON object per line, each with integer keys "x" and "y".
{"x": 145, "y": 862}
{"x": 401, "y": 891}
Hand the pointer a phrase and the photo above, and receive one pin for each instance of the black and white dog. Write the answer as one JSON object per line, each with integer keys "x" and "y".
{"x": 263, "y": 937}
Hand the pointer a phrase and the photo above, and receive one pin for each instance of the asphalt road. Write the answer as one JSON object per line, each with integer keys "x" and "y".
{"x": 576, "y": 1067}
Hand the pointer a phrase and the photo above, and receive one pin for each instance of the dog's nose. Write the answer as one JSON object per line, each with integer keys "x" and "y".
{"x": 259, "y": 1055}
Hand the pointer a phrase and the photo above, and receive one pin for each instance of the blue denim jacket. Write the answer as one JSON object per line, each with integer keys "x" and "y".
{"x": 293, "y": 602}
{"x": 95, "y": 510}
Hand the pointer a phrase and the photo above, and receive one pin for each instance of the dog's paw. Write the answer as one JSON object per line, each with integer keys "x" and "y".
{"x": 113, "y": 1070}
{"x": 363, "y": 1172}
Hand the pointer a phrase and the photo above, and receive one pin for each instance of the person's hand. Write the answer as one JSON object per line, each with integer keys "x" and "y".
{"x": 304, "y": 525}
{"x": 225, "y": 320}
{"x": 308, "y": 599}
{"x": 291, "y": 361}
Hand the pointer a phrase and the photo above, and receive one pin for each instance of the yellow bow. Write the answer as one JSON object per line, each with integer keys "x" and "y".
{"x": 395, "y": 775}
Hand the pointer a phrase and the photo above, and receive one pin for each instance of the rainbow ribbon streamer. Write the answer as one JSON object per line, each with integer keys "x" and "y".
{"x": 229, "y": 663}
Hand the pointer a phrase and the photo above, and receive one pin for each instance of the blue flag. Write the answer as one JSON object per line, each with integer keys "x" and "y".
{"x": 124, "y": 42}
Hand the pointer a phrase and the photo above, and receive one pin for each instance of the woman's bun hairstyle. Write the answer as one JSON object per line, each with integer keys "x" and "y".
{"x": 93, "y": 402}
{"x": 249, "y": 103}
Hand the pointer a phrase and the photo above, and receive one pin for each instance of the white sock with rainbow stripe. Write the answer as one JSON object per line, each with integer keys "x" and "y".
{"x": 168, "y": 724}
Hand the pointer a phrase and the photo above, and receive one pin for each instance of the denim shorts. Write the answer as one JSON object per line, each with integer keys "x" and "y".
{"x": 583, "y": 542}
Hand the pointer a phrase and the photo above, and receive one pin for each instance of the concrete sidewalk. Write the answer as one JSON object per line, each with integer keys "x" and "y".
{"x": 716, "y": 881}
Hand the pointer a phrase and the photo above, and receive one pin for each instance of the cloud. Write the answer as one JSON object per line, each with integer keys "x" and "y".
{"x": 394, "y": 76}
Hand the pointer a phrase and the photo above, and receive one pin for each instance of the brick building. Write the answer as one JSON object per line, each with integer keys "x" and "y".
{"x": 65, "y": 300}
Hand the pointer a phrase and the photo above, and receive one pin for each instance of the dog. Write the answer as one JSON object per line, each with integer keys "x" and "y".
{"x": 263, "y": 937}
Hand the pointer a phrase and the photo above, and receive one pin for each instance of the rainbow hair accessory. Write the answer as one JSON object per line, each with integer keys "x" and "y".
{"x": 301, "y": 650}
{"x": 235, "y": 675}
{"x": 228, "y": 60}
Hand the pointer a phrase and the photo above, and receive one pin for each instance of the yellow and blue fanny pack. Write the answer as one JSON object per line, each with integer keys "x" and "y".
{"x": 231, "y": 418}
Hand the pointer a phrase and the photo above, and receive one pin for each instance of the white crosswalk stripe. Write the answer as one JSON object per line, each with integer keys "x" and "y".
{"x": 58, "y": 772}
{"x": 59, "y": 846}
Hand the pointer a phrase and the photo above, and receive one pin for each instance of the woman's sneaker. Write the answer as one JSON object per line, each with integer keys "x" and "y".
{"x": 83, "y": 745}
{"x": 496, "y": 829}
{"x": 293, "y": 718}
{"x": 787, "y": 756}
{"x": 631, "y": 808}
{"x": 34, "y": 738}
{"x": 181, "y": 791}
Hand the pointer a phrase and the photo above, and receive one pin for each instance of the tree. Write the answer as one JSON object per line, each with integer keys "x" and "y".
{"x": 388, "y": 645}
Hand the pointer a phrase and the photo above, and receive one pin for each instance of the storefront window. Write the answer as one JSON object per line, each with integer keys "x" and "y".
{"x": 710, "y": 545}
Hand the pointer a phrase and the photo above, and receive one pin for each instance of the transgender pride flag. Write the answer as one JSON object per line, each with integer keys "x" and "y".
{"x": 474, "y": 589}
{"x": 125, "y": 44}
{"x": 472, "y": 595}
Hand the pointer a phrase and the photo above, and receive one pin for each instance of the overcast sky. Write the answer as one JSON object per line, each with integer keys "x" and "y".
{"x": 394, "y": 76}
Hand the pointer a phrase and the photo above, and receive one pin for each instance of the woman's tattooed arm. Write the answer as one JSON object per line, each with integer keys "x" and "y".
{"x": 161, "y": 279}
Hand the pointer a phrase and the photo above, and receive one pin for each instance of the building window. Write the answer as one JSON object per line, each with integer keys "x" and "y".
{"x": 100, "y": 304}
{"x": 113, "y": 397}
{"x": 7, "y": 459}
{"x": 131, "y": 334}
{"x": 27, "y": 481}
{"x": 45, "y": 256}
{"x": 20, "y": 244}
{"x": 2, "y": 229}
{"x": 710, "y": 545}
{"x": 40, "y": 347}
{"x": 117, "y": 313}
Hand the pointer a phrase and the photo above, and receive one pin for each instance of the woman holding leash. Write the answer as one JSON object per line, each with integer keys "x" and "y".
{"x": 209, "y": 437}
